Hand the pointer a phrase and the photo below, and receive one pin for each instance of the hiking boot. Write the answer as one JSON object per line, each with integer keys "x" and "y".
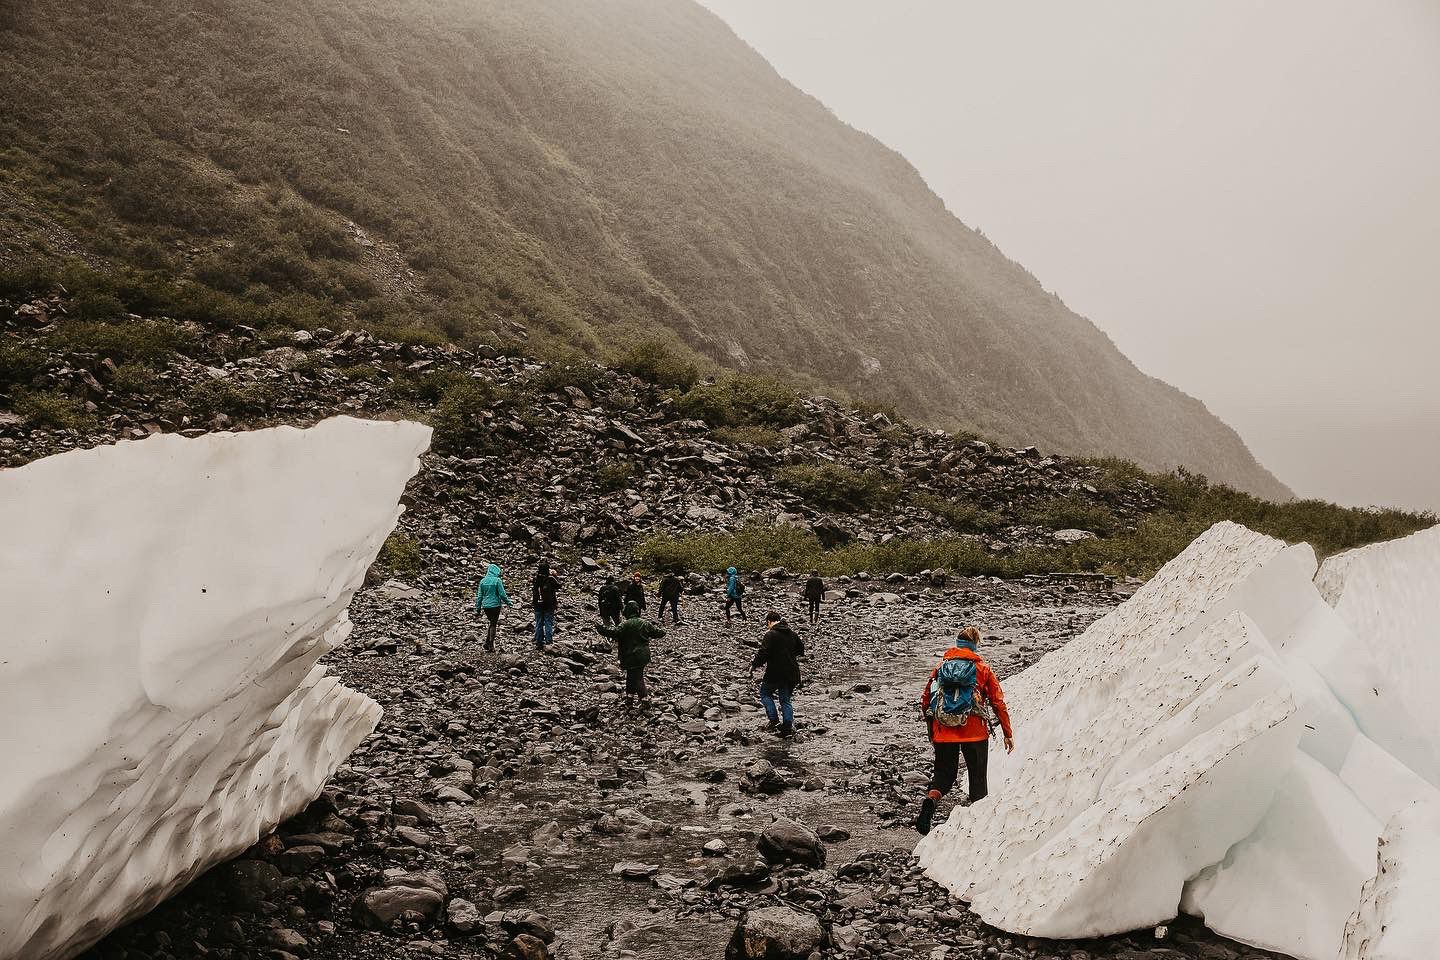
{"x": 772, "y": 725}
{"x": 785, "y": 732}
{"x": 927, "y": 814}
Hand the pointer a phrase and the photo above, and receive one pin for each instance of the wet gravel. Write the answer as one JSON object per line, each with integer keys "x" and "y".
{"x": 522, "y": 782}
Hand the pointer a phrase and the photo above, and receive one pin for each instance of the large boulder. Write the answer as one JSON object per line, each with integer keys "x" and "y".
{"x": 786, "y": 841}
{"x": 421, "y": 893}
{"x": 775, "y": 933}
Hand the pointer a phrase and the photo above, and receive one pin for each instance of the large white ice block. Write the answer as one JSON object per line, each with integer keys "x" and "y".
{"x": 1389, "y": 596}
{"x": 165, "y": 602}
{"x": 1397, "y": 918}
{"x": 1224, "y": 743}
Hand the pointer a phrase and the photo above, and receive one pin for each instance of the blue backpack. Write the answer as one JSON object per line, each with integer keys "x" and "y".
{"x": 952, "y": 699}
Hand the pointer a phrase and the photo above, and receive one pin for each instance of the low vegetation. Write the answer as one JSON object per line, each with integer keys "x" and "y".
{"x": 401, "y": 554}
{"x": 615, "y": 474}
{"x": 1072, "y": 513}
{"x": 830, "y": 486}
{"x": 657, "y": 362}
{"x": 1154, "y": 541}
{"x": 53, "y": 410}
{"x": 961, "y": 515}
{"x": 742, "y": 400}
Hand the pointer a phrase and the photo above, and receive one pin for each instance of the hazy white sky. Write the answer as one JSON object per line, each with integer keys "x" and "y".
{"x": 1245, "y": 194}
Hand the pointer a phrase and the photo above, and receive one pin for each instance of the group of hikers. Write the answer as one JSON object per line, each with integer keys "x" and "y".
{"x": 962, "y": 703}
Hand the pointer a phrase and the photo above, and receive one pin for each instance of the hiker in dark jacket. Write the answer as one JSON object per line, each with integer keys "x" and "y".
{"x": 633, "y": 638}
{"x": 969, "y": 737}
{"x": 635, "y": 592}
{"x": 670, "y": 589}
{"x": 734, "y": 594}
{"x": 543, "y": 591}
{"x": 610, "y": 602}
{"x": 489, "y": 598}
{"x": 779, "y": 653}
{"x": 814, "y": 593}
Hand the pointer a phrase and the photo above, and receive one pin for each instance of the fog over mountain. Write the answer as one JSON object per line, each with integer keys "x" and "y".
{"x": 571, "y": 173}
{"x": 1245, "y": 196}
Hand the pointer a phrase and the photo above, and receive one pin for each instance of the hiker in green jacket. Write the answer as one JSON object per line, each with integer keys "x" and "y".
{"x": 633, "y": 636}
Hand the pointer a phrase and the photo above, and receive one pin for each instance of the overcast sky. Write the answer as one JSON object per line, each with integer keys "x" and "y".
{"x": 1245, "y": 195}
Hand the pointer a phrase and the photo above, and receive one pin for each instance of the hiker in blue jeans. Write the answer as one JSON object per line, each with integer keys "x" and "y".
{"x": 544, "y": 601}
{"x": 780, "y": 652}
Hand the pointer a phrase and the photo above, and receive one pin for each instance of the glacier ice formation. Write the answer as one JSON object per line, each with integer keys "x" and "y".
{"x": 1230, "y": 743}
{"x": 166, "y": 602}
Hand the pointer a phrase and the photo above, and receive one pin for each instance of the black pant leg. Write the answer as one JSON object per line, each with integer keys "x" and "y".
{"x": 947, "y": 767}
{"x": 977, "y": 760}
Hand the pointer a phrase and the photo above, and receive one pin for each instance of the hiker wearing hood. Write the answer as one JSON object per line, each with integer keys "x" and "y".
{"x": 633, "y": 638}
{"x": 489, "y": 598}
{"x": 544, "y": 600}
{"x": 814, "y": 593}
{"x": 962, "y": 704}
{"x": 734, "y": 594}
{"x": 670, "y": 590}
{"x": 780, "y": 652}
{"x": 609, "y": 602}
{"x": 635, "y": 592}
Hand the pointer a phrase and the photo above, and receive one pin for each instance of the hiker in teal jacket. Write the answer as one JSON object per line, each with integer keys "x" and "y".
{"x": 489, "y": 598}
{"x": 633, "y": 637}
{"x": 734, "y": 594}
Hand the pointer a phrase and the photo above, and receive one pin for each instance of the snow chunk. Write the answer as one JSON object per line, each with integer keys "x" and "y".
{"x": 1396, "y": 919}
{"x": 166, "y": 601}
{"x": 1218, "y": 735}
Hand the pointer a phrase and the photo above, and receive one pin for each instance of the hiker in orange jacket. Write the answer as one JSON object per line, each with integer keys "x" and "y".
{"x": 953, "y": 735}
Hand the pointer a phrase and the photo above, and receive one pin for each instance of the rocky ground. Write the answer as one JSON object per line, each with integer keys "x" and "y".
{"x": 508, "y": 805}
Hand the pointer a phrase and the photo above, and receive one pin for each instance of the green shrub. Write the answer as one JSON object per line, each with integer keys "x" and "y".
{"x": 830, "y": 486}
{"x": 240, "y": 401}
{"x": 144, "y": 341}
{"x": 961, "y": 515}
{"x": 362, "y": 371}
{"x": 97, "y": 306}
{"x": 1116, "y": 477}
{"x": 429, "y": 387}
{"x": 656, "y": 361}
{"x": 555, "y": 377}
{"x": 742, "y": 400}
{"x": 25, "y": 280}
{"x": 615, "y": 474}
{"x": 54, "y": 410}
{"x": 1071, "y": 513}
{"x": 19, "y": 365}
{"x": 460, "y": 423}
{"x": 135, "y": 378}
{"x": 401, "y": 554}
{"x": 751, "y": 548}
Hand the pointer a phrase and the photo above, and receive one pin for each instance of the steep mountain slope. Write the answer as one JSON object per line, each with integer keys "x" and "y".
{"x": 574, "y": 171}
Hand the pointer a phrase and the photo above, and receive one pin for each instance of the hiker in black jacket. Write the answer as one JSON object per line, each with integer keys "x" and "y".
{"x": 670, "y": 589}
{"x": 610, "y": 602}
{"x": 814, "y": 593}
{"x": 635, "y": 592}
{"x": 779, "y": 654}
{"x": 543, "y": 600}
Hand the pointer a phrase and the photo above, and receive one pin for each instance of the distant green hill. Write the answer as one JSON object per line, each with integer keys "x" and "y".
{"x": 566, "y": 171}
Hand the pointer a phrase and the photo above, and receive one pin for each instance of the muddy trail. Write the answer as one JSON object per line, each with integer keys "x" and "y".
{"x": 555, "y": 822}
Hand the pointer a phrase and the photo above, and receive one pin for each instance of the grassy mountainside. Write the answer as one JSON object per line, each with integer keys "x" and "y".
{"x": 567, "y": 172}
